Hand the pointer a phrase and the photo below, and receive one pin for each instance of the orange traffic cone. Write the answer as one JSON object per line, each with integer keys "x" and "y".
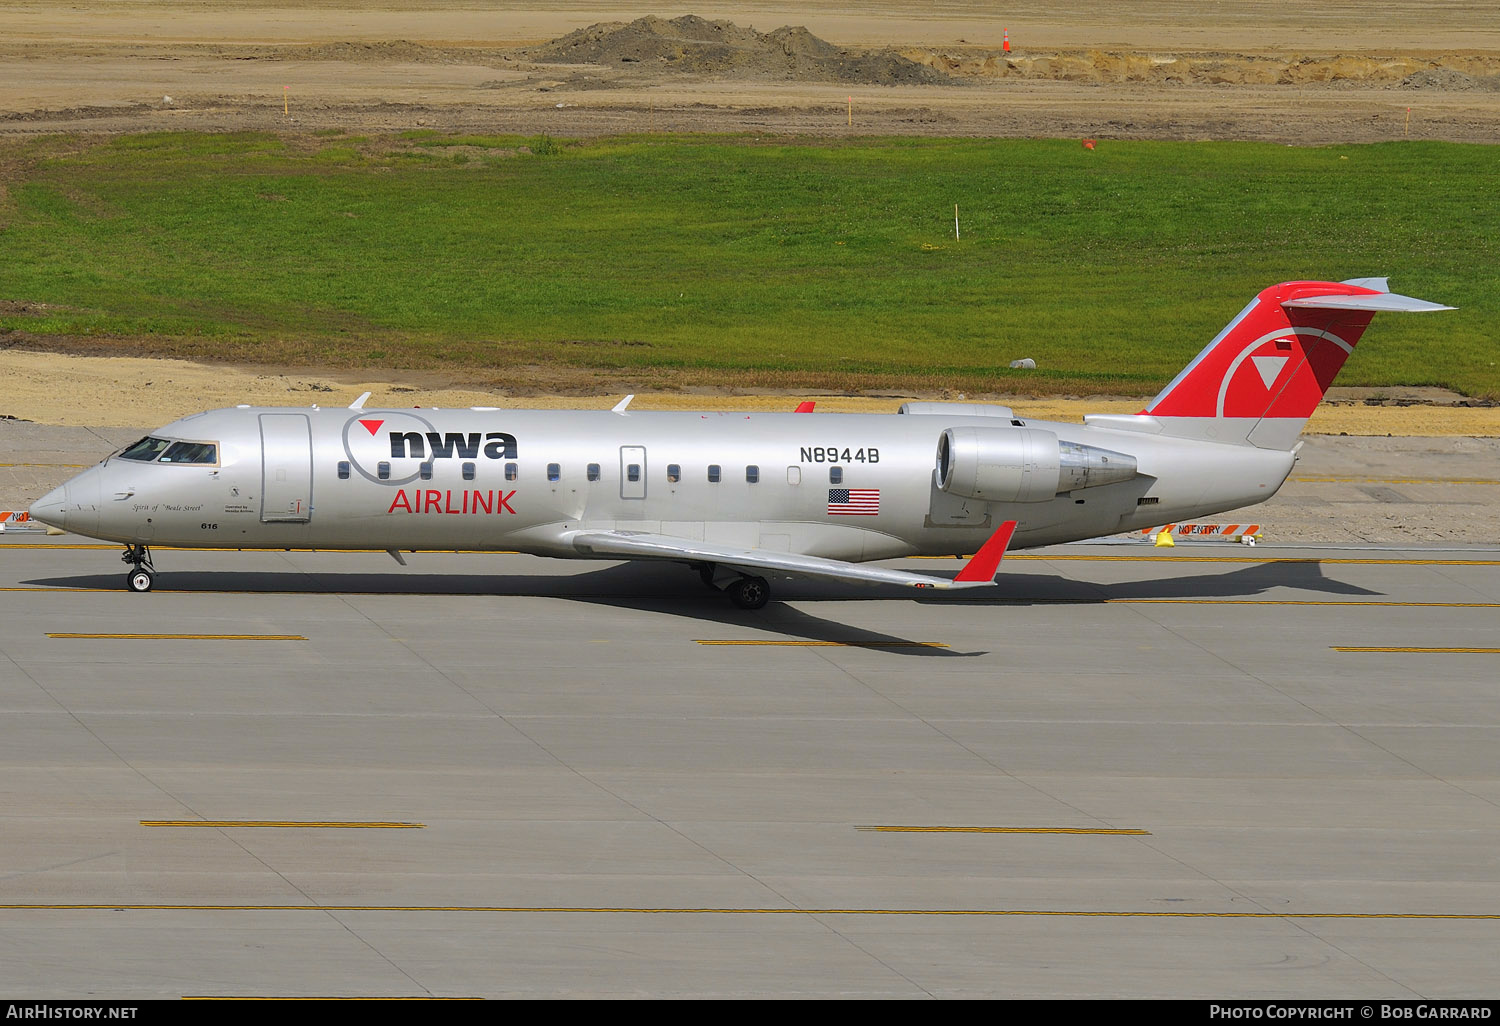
{"x": 1005, "y": 44}
{"x": 1088, "y": 144}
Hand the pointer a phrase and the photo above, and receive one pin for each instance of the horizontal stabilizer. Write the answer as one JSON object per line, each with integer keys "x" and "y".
{"x": 1381, "y": 302}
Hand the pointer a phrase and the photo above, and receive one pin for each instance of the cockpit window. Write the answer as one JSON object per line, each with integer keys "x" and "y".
{"x": 146, "y": 450}
{"x": 191, "y": 452}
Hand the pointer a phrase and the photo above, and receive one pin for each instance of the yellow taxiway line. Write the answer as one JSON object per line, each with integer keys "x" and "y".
{"x": 1322, "y": 479}
{"x": 287, "y": 824}
{"x": 1131, "y": 832}
{"x": 1423, "y": 651}
{"x": 179, "y": 637}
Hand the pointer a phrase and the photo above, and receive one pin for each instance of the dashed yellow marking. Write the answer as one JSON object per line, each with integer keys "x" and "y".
{"x": 1398, "y": 648}
{"x": 828, "y": 644}
{"x": 1131, "y": 832}
{"x": 727, "y": 911}
{"x": 1320, "y": 479}
{"x": 181, "y": 637}
{"x": 289, "y": 824}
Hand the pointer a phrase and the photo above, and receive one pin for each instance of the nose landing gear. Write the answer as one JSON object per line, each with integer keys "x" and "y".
{"x": 142, "y": 574}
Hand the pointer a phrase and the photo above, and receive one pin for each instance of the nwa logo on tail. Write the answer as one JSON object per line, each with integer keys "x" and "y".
{"x": 392, "y": 447}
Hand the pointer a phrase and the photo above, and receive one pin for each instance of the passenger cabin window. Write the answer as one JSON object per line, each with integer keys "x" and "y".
{"x": 383, "y": 471}
{"x": 146, "y": 450}
{"x": 633, "y": 472}
{"x": 713, "y": 473}
{"x": 593, "y": 471}
{"x": 191, "y": 452}
{"x": 468, "y": 471}
{"x": 554, "y": 471}
{"x": 674, "y": 472}
{"x": 752, "y": 473}
{"x": 343, "y": 470}
{"x": 510, "y": 472}
{"x": 425, "y": 471}
{"x": 835, "y": 475}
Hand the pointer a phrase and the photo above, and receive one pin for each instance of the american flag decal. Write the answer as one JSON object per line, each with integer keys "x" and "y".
{"x": 853, "y": 502}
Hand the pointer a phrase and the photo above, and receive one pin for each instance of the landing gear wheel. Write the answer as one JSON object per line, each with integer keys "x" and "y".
{"x": 142, "y": 574}
{"x": 750, "y": 592}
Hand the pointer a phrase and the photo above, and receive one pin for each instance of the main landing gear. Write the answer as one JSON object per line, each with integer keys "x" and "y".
{"x": 745, "y": 591}
{"x": 142, "y": 574}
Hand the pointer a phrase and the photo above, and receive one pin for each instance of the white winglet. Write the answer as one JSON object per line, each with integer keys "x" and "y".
{"x": 359, "y": 403}
{"x": 619, "y": 407}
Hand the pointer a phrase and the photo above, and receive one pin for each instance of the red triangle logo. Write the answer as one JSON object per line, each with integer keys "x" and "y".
{"x": 372, "y": 426}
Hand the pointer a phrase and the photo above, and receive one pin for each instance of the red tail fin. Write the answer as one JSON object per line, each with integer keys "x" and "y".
{"x": 1265, "y": 373}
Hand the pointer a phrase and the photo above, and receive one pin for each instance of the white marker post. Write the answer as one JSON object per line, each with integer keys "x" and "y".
{"x": 955, "y": 222}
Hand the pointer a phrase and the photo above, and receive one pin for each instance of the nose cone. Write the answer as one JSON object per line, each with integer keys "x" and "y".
{"x": 52, "y": 508}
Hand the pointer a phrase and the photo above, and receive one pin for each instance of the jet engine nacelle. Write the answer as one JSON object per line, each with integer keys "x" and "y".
{"x": 1023, "y": 464}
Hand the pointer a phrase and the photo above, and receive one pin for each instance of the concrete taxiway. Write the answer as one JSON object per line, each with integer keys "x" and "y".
{"x": 1127, "y": 772}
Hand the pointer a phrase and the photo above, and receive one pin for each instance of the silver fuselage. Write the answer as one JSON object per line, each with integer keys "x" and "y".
{"x": 497, "y": 479}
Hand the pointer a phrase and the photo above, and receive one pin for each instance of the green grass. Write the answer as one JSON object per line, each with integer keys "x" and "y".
{"x": 779, "y": 263}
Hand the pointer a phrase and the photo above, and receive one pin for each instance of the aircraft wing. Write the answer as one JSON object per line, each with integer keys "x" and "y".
{"x": 978, "y": 572}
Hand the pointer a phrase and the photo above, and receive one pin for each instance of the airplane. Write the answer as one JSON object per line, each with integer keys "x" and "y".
{"x": 737, "y": 496}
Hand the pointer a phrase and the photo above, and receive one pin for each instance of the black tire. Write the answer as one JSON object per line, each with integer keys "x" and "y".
{"x": 139, "y": 579}
{"x": 750, "y": 592}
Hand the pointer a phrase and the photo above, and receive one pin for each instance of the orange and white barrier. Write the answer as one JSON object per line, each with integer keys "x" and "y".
{"x": 1246, "y": 534}
{"x": 16, "y": 520}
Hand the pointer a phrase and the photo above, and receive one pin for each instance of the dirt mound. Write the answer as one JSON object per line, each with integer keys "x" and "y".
{"x": 695, "y": 46}
{"x": 1453, "y": 72}
{"x": 1447, "y": 78}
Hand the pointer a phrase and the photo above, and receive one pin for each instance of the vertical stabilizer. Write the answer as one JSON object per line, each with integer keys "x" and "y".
{"x": 1260, "y": 379}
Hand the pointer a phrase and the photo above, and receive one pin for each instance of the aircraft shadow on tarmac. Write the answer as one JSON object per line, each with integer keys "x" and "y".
{"x": 675, "y": 591}
{"x": 1244, "y": 583}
